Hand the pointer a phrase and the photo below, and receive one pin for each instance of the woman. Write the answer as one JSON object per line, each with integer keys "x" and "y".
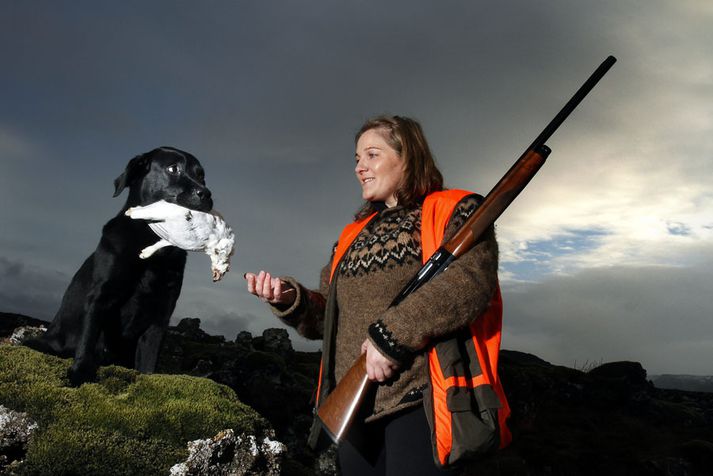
{"x": 396, "y": 172}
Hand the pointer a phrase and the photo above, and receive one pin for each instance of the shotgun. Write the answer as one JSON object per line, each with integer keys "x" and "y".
{"x": 337, "y": 411}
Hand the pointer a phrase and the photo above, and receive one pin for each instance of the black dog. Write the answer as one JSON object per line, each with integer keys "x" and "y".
{"x": 117, "y": 306}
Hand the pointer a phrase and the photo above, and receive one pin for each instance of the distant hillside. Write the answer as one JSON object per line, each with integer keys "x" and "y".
{"x": 691, "y": 383}
{"x": 10, "y": 320}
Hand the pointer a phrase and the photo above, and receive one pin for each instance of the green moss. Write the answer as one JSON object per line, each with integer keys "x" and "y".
{"x": 115, "y": 379}
{"x": 125, "y": 423}
{"x": 92, "y": 451}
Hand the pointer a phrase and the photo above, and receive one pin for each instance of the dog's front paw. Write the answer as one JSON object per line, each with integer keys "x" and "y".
{"x": 80, "y": 373}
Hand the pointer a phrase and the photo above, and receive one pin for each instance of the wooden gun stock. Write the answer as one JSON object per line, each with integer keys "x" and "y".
{"x": 337, "y": 411}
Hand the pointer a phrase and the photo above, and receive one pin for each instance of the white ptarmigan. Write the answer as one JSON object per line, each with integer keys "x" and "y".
{"x": 190, "y": 230}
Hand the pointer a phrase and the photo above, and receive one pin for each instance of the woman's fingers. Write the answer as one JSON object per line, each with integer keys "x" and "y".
{"x": 268, "y": 288}
{"x": 378, "y": 373}
{"x": 378, "y": 367}
{"x": 250, "y": 280}
{"x": 276, "y": 289}
{"x": 266, "y": 282}
{"x": 256, "y": 283}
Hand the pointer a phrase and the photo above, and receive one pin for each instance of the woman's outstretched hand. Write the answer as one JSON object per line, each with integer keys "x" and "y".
{"x": 378, "y": 367}
{"x": 269, "y": 289}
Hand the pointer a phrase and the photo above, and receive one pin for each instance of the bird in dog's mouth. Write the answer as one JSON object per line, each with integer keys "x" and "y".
{"x": 190, "y": 230}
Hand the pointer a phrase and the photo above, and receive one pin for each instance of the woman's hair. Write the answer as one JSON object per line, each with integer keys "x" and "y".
{"x": 421, "y": 176}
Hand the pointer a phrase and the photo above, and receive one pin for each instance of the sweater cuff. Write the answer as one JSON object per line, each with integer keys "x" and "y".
{"x": 384, "y": 341}
{"x": 290, "y": 314}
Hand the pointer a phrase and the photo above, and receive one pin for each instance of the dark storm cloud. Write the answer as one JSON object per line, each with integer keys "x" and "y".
{"x": 33, "y": 291}
{"x": 269, "y": 94}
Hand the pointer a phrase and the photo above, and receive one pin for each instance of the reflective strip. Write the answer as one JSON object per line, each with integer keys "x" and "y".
{"x": 465, "y": 381}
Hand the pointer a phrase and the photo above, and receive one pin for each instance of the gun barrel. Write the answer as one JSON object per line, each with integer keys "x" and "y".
{"x": 573, "y": 102}
{"x": 497, "y": 200}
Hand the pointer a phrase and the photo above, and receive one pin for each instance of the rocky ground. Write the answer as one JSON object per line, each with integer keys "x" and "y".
{"x": 608, "y": 421}
{"x": 265, "y": 372}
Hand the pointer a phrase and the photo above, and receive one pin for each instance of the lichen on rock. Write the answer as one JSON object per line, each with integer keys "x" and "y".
{"x": 230, "y": 454}
{"x": 15, "y": 431}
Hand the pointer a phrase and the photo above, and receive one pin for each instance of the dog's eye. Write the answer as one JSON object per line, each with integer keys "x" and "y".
{"x": 172, "y": 169}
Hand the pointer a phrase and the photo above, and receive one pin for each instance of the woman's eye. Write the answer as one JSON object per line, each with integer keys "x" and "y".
{"x": 172, "y": 169}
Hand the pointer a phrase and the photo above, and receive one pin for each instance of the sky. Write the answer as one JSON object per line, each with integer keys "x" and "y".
{"x": 607, "y": 255}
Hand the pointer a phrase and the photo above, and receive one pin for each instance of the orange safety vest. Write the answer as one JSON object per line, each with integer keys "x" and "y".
{"x": 483, "y": 337}
{"x": 450, "y": 420}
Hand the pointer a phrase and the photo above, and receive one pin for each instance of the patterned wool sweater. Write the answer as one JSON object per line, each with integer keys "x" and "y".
{"x": 382, "y": 259}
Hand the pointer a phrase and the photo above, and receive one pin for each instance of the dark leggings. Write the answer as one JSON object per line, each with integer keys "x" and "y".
{"x": 399, "y": 445}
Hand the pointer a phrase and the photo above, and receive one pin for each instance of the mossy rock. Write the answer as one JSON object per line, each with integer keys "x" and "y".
{"x": 125, "y": 423}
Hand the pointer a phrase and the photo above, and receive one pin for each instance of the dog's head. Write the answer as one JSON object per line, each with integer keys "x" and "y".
{"x": 166, "y": 174}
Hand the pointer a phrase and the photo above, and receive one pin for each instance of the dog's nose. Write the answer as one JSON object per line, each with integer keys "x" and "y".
{"x": 204, "y": 198}
{"x": 203, "y": 193}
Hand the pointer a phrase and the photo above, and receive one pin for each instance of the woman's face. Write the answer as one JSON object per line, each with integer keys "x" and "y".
{"x": 379, "y": 168}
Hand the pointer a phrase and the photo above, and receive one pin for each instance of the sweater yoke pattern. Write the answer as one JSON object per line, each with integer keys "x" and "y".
{"x": 390, "y": 242}
{"x": 393, "y": 240}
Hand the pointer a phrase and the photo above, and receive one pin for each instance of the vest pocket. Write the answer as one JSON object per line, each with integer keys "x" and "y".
{"x": 466, "y": 426}
{"x": 474, "y": 421}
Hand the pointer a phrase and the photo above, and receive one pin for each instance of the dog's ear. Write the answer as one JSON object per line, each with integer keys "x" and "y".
{"x": 135, "y": 169}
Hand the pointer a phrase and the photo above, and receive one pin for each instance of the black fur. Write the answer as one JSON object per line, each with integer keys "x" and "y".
{"x": 117, "y": 306}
